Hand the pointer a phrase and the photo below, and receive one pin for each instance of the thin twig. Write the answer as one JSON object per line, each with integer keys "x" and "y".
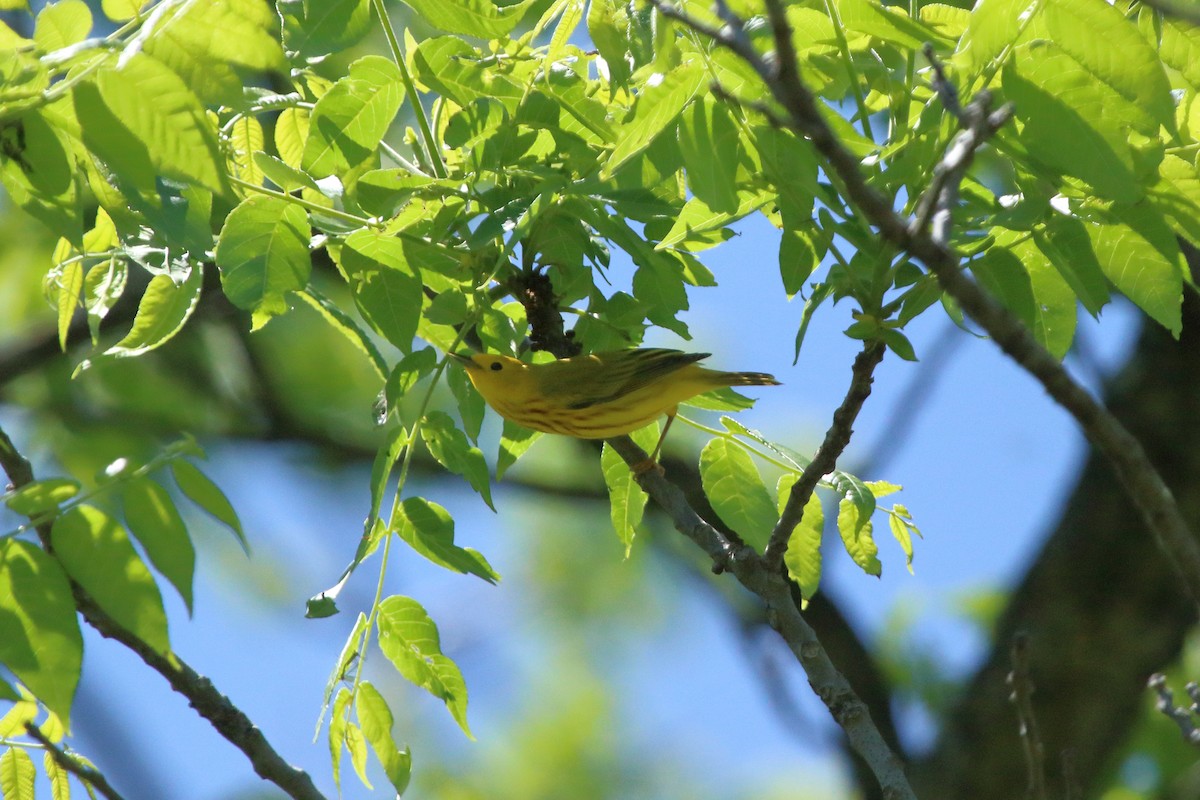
{"x": 89, "y": 775}
{"x": 1031, "y": 738}
{"x": 230, "y": 721}
{"x": 825, "y": 460}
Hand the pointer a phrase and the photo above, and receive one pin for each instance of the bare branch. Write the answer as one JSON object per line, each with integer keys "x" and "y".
{"x": 89, "y": 775}
{"x": 227, "y": 718}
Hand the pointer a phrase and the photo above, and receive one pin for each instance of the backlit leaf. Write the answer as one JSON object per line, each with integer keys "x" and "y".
{"x": 409, "y": 639}
{"x": 736, "y": 491}
{"x": 803, "y": 555}
{"x": 95, "y": 550}
{"x": 449, "y": 446}
{"x": 39, "y": 633}
{"x": 206, "y": 494}
{"x": 263, "y": 254}
{"x": 154, "y": 520}
{"x": 376, "y": 719}
{"x": 429, "y": 529}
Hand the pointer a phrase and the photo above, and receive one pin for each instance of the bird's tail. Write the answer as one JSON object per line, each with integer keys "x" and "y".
{"x": 750, "y": 379}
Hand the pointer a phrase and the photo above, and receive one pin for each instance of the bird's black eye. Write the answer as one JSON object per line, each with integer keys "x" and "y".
{"x": 497, "y": 366}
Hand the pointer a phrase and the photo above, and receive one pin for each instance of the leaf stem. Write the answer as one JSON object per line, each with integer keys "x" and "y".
{"x": 432, "y": 150}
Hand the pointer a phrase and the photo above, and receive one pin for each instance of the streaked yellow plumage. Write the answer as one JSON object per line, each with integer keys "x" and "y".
{"x": 598, "y": 395}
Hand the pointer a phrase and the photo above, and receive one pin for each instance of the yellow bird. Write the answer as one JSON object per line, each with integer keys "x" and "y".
{"x": 599, "y": 395}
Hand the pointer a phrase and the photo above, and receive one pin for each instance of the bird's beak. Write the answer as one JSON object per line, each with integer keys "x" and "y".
{"x": 463, "y": 359}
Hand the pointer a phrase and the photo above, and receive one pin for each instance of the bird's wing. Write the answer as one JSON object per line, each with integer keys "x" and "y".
{"x": 602, "y": 377}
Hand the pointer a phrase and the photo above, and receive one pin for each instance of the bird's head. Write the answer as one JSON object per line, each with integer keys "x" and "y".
{"x": 494, "y": 375}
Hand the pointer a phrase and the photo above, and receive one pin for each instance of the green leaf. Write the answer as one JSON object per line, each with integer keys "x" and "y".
{"x": 409, "y": 639}
{"x": 337, "y": 732}
{"x": 246, "y": 139}
{"x": 470, "y": 403}
{"x": 39, "y": 633}
{"x": 659, "y": 285}
{"x": 515, "y": 440}
{"x": 994, "y": 26}
{"x": 376, "y": 719}
{"x": 449, "y": 446}
{"x": 349, "y": 120}
{"x": 206, "y": 494}
{"x": 803, "y": 555}
{"x": 60, "y": 788}
{"x": 17, "y": 774}
{"x": 36, "y": 498}
{"x": 154, "y": 520}
{"x": 25, "y": 709}
{"x": 657, "y": 108}
{"x": 40, "y": 180}
{"x": 429, "y": 529}
{"x": 698, "y": 227}
{"x": 315, "y": 28}
{"x": 479, "y": 18}
{"x": 1109, "y": 47}
{"x": 162, "y": 312}
{"x": 453, "y": 68}
{"x": 143, "y": 120}
{"x": 103, "y": 286}
{"x": 121, "y": 10}
{"x": 884, "y": 23}
{"x": 855, "y": 526}
{"x": 62, "y": 24}
{"x": 1073, "y": 122}
{"x": 790, "y": 163}
{"x": 811, "y": 304}
{"x": 347, "y": 326}
{"x": 608, "y": 25}
{"x": 356, "y": 745}
{"x": 627, "y": 501}
{"x": 341, "y": 670}
{"x": 291, "y": 133}
{"x": 285, "y": 177}
{"x": 900, "y": 526}
{"x": 96, "y": 552}
{"x": 736, "y": 491}
{"x": 1021, "y": 277}
{"x": 239, "y": 32}
{"x": 711, "y": 146}
{"x": 387, "y": 289}
{"x": 800, "y": 252}
{"x": 404, "y": 376}
{"x": 1065, "y": 242}
{"x": 262, "y": 253}
{"x": 1140, "y": 256}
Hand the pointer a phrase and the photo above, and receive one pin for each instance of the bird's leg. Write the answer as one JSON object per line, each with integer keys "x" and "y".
{"x": 652, "y": 462}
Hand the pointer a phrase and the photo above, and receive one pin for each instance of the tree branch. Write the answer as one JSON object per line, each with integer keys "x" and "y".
{"x": 1138, "y": 476}
{"x": 825, "y": 460}
{"x": 89, "y": 775}
{"x": 227, "y": 718}
{"x": 784, "y": 616}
